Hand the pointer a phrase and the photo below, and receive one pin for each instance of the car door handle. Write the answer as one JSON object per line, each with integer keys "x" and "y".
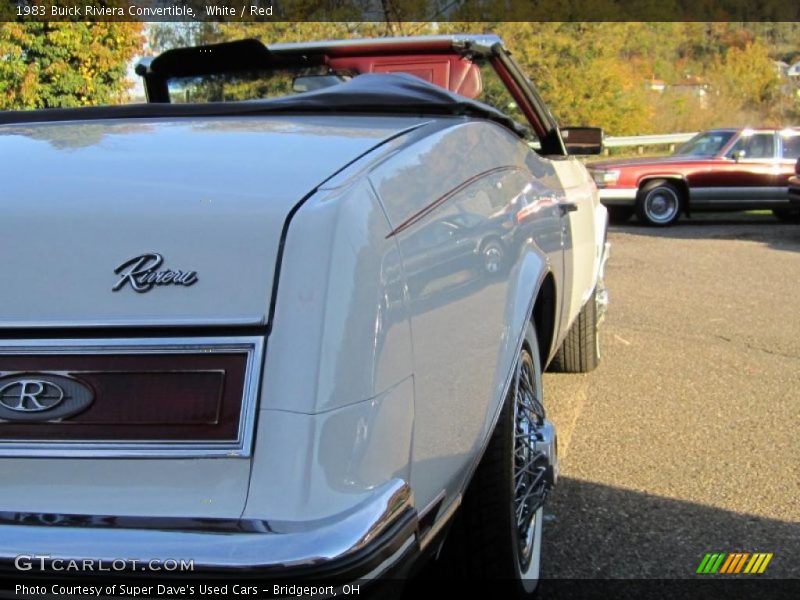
{"x": 567, "y": 207}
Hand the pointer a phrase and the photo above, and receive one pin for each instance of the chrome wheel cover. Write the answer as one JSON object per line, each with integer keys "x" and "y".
{"x": 661, "y": 205}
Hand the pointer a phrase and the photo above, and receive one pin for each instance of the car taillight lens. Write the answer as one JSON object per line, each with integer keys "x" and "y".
{"x": 139, "y": 397}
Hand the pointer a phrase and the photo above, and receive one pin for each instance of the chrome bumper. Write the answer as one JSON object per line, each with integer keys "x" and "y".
{"x": 548, "y": 443}
{"x": 601, "y": 297}
{"x": 364, "y": 543}
{"x": 618, "y": 196}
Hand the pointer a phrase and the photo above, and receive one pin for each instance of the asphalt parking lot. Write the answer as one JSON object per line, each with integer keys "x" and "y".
{"x": 686, "y": 439}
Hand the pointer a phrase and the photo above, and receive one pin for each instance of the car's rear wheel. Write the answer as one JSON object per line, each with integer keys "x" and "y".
{"x": 619, "y": 214}
{"x": 497, "y": 533}
{"x": 659, "y": 203}
{"x": 580, "y": 350}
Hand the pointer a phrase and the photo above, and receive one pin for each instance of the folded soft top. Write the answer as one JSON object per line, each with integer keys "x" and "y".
{"x": 372, "y": 93}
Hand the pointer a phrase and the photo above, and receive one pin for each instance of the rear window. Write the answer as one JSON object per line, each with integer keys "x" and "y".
{"x": 791, "y": 146}
{"x": 754, "y": 146}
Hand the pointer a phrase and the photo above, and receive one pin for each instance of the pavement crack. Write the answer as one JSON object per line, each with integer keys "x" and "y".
{"x": 772, "y": 352}
{"x": 750, "y": 346}
{"x": 714, "y": 336}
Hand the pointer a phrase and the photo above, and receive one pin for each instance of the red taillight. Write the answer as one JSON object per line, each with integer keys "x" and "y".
{"x": 138, "y": 397}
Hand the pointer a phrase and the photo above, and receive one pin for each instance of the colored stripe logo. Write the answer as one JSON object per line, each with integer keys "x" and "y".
{"x": 735, "y": 562}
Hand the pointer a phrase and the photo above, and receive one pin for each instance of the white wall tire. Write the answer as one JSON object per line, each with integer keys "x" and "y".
{"x": 486, "y": 541}
{"x": 530, "y": 577}
{"x": 659, "y": 203}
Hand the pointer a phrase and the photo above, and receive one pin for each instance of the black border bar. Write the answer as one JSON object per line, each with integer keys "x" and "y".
{"x": 399, "y": 10}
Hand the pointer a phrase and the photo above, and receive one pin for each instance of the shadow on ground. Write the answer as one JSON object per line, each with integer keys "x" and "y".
{"x": 758, "y": 227}
{"x": 597, "y": 531}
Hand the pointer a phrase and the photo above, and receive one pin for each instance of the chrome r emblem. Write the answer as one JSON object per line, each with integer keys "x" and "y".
{"x": 142, "y": 274}
{"x": 31, "y": 395}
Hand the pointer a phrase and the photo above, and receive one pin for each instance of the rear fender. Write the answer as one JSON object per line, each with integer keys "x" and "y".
{"x": 525, "y": 282}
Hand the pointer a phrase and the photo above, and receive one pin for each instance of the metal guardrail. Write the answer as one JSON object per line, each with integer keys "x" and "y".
{"x": 647, "y": 140}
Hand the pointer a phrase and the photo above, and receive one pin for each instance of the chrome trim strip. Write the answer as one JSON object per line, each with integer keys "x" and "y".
{"x": 151, "y": 322}
{"x": 612, "y": 194}
{"x": 442, "y": 520}
{"x": 739, "y": 194}
{"x": 390, "y": 562}
{"x": 347, "y": 534}
{"x": 240, "y": 448}
{"x": 435, "y": 503}
{"x": 601, "y": 290}
{"x": 456, "y": 40}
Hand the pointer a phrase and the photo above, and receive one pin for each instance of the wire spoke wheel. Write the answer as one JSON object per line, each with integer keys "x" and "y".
{"x": 529, "y": 464}
{"x": 497, "y": 533}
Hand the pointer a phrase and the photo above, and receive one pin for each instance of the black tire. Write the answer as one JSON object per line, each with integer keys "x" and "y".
{"x": 619, "y": 214}
{"x": 787, "y": 215}
{"x": 659, "y": 203}
{"x": 580, "y": 350}
{"x": 484, "y": 541}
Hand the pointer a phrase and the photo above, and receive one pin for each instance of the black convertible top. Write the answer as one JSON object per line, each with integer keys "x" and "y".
{"x": 372, "y": 93}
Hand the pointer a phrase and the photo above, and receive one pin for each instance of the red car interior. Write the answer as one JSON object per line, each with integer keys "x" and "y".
{"x": 448, "y": 71}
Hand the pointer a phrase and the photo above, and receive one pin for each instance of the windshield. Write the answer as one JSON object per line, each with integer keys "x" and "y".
{"x": 476, "y": 80}
{"x": 484, "y": 84}
{"x": 708, "y": 143}
{"x": 251, "y": 85}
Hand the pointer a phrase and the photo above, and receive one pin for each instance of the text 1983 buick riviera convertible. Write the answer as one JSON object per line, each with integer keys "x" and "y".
{"x": 300, "y": 336}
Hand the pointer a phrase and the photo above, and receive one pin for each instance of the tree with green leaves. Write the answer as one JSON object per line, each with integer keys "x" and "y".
{"x": 47, "y": 64}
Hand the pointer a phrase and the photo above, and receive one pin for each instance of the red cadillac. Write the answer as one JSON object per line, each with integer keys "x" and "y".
{"x": 794, "y": 189}
{"x": 720, "y": 169}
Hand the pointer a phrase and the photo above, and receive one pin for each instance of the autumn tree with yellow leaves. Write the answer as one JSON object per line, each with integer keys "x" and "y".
{"x": 48, "y": 65}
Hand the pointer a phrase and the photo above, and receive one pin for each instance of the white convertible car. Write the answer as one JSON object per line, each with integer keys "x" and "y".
{"x": 294, "y": 334}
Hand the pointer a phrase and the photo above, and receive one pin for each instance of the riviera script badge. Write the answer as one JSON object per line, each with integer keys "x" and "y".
{"x": 142, "y": 273}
